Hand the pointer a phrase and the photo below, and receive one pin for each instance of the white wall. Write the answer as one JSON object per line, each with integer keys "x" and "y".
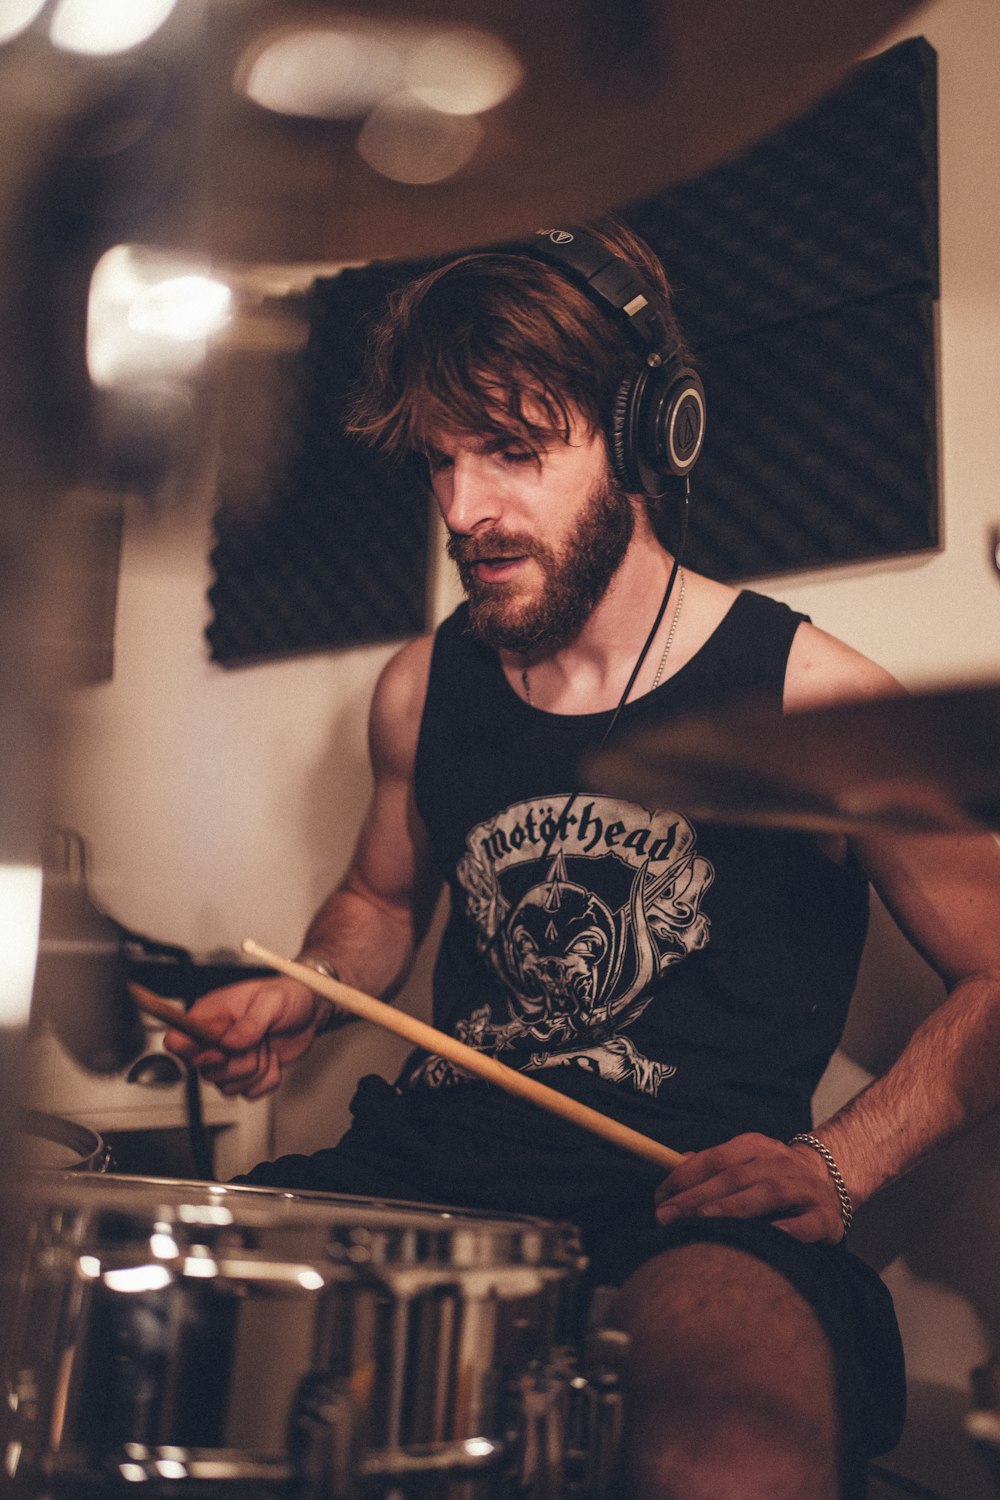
{"x": 221, "y": 803}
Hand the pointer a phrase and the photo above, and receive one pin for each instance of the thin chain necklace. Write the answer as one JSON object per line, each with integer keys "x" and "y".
{"x": 526, "y": 681}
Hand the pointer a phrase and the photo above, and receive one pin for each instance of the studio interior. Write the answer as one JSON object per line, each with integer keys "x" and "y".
{"x": 207, "y": 204}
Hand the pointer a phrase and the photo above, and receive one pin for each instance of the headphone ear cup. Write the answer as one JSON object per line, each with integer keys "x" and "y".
{"x": 657, "y": 429}
{"x": 680, "y": 424}
{"x": 622, "y": 438}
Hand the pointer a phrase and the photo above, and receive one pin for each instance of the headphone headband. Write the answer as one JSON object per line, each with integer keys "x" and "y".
{"x": 658, "y": 421}
{"x": 612, "y": 282}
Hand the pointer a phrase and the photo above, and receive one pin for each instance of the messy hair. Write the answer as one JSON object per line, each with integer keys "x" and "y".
{"x": 497, "y": 343}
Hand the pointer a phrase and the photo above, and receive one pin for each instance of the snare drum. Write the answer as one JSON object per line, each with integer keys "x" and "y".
{"x": 192, "y": 1339}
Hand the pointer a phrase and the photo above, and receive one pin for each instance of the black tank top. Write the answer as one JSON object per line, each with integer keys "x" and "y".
{"x": 661, "y": 971}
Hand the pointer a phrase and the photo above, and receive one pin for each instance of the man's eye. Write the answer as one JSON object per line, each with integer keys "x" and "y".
{"x": 437, "y": 461}
{"x": 519, "y": 456}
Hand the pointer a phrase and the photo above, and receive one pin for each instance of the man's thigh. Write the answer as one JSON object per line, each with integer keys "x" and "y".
{"x": 731, "y": 1386}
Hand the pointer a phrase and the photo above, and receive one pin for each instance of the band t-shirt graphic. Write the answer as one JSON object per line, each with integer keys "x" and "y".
{"x": 689, "y": 978}
{"x": 577, "y": 906}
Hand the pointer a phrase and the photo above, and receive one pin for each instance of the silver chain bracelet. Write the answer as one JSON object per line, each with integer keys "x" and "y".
{"x": 846, "y": 1206}
{"x": 335, "y": 1016}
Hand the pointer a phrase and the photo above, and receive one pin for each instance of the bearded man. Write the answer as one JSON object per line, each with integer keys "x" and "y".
{"x": 691, "y": 981}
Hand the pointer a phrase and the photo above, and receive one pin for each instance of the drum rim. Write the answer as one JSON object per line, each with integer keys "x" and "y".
{"x": 92, "y": 1150}
{"x": 540, "y": 1241}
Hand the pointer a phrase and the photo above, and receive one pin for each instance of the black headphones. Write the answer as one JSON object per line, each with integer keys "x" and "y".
{"x": 658, "y": 416}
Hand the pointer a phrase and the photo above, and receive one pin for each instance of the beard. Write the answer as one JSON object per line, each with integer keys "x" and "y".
{"x": 574, "y": 579}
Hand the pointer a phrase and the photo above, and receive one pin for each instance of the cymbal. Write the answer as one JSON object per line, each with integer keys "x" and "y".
{"x": 604, "y": 104}
{"x": 923, "y": 764}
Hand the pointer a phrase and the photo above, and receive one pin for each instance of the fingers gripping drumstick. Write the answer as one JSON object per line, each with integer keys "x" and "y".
{"x": 170, "y": 1012}
{"x": 479, "y": 1063}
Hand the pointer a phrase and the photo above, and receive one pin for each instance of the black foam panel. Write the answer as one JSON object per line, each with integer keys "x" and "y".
{"x": 319, "y": 543}
{"x": 805, "y": 274}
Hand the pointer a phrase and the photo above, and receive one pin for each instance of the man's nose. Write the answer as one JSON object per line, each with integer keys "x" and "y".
{"x": 468, "y": 500}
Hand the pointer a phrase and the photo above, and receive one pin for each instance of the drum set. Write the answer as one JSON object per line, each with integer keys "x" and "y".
{"x": 239, "y": 1341}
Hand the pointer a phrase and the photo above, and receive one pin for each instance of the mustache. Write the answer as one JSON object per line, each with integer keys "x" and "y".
{"x": 464, "y": 550}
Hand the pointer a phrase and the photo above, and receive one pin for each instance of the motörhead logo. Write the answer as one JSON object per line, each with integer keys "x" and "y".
{"x": 578, "y": 913}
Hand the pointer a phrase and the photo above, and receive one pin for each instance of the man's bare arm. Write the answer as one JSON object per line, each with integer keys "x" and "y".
{"x": 944, "y": 893}
{"x": 367, "y": 930}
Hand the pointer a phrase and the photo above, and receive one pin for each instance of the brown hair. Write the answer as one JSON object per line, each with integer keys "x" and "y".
{"x": 473, "y": 343}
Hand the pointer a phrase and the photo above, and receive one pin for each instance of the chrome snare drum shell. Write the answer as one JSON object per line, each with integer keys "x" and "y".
{"x": 250, "y": 1341}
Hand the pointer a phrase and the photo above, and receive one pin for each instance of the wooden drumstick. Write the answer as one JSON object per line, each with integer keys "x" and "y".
{"x": 170, "y": 1012}
{"x": 479, "y": 1063}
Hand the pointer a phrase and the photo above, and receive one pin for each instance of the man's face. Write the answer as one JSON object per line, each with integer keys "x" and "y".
{"x": 537, "y": 534}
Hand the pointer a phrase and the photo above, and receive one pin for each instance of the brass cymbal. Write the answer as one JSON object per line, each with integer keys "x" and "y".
{"x": 605, "y": 103}
{"x": 926, "y": 763}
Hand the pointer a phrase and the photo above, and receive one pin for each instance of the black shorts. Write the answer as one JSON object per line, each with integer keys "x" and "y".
{"x": 473, "y": 1146}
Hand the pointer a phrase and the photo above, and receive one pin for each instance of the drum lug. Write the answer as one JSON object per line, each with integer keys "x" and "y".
{"x": 543, "y": 1410}
{"x": 23, "y": 1396}
{"x": 322, "y": 1439}
{"x": 596, "y": 1405}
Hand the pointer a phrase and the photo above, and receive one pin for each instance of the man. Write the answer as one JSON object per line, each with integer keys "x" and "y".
{"x": 692, "y": 981}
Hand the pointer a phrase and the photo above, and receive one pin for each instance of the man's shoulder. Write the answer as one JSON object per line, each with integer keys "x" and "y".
{"x": 402, "y": 683}
{"x": 823, "y": 671}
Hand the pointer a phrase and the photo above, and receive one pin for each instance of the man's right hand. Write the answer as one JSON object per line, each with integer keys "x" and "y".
{"x": 262, "y": 1025}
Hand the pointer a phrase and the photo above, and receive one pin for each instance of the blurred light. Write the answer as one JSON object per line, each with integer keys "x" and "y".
{"x": 102, "y": 28}
{"x": 332, "y": 74}
{"x": 20, "y": 915}
{"x": 463, "y": 72}
{"x": 310, "y": 1281}
{"x": 17, "y": 15}
{"x": 200, "y": 1265}
{"x": 138, "y": 1279}
{"x": 479, "y": 1447}
{"x": 345, "y": 72}
{"x": 406, "y": 141}
{"x": 182, "y": 307}
{"x": 163, "y": 1245}
{"x": 90, "y": 1267}
{"x": 197, "y": 1213}
{"x": 148, "y": 315}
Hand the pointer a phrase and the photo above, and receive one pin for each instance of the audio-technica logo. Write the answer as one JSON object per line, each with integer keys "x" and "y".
{"x": 557, "y": 236}
{"x": 688, "y": 429}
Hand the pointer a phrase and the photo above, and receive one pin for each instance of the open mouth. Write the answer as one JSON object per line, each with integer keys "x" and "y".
{"x": 496, "y": 569}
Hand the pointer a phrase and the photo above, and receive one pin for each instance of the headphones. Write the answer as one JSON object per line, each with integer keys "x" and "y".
{"x": 658, "y": 416}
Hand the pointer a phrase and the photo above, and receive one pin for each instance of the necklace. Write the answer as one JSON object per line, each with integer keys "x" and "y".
{"x": 670, "y": 636}
{"x": 526, "y": 681}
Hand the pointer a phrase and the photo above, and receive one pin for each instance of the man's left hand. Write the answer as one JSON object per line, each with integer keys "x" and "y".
{"x": 755, "y": 1177}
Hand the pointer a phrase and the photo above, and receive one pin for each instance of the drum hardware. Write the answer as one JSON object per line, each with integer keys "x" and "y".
{"x": 982, "y": 1423}
{"x": 53, "y": 1143}
{"x": 593, "y": 1445}
{"x": 907, "y": 764}
{"x": 255, "y": 1343}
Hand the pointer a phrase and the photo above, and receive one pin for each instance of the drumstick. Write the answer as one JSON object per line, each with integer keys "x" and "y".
{"x": 167, "y": 1010}
{"x": 480, "y": 1063}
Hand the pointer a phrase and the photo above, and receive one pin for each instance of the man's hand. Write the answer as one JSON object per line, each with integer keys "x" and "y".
{"x": 755, "y": 1177}
{"x": 262, "y": 1025}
